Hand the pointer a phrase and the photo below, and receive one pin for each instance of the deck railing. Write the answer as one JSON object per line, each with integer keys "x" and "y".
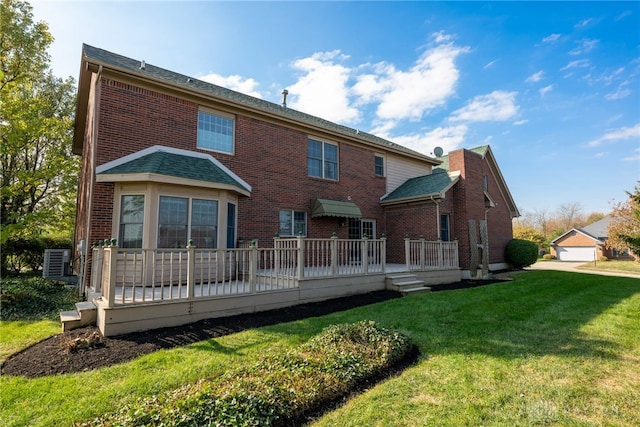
{"x": 423, "y": 255}
{"x": 134, "y": 276}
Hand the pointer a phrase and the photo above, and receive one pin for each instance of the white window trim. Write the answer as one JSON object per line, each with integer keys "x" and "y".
{"x": 324, "y": 141}
{"x": 225, "y": 116}
{"x": 293, "y": 220}
{"x": 384, "y": 165}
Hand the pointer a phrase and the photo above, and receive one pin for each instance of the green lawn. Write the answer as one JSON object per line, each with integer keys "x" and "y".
{"x": 549, "y": 348}
{"x": 631, "y": 267}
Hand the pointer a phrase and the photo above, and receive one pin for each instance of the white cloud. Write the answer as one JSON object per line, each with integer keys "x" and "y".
{"x": 617, "y": 135}
{"x": 586, "y": 46}
{"x": 634, "y": 157}
{"x": 490, "y": 64}
{"x": 442, "y": 37}
{"x": 233, "y": 82}
{"x": 551, "y": 38}
{"x": 496, "y": 106}
{"x": 409, "y": 94}
{"x": 545, "y": 90}
{"x": 618, "y": 94}
{"x": 535, "y": 77}
{"x": 580, "y": 63}
{"x": 583, "y": 23}
{"x": 322, "y": 89}
{"x": 449, "y": 138}
{"x": 520, "y": 122}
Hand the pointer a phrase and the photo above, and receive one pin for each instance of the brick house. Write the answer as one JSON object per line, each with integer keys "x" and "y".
{"x": 168, "y": 160}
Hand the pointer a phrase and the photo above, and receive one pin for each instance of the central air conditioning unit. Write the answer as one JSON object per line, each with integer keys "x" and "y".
{"x": 56, "y": 263}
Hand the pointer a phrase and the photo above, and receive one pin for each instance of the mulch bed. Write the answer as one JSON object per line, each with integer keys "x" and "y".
{"x": 85, "y": 349}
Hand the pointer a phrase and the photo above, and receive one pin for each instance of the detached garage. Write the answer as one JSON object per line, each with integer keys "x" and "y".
{"x": 586, "y": 244}
{"x": 577, "y": 245}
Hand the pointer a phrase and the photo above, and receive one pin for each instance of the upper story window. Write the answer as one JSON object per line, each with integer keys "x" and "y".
{"x": 379, "y": 166}
{"x": 322, "y": 159}
{"x": 215, "y": 132}
{"x": 485, "y": 182}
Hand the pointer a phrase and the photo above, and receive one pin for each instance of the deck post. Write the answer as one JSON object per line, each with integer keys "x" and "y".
{"x": 111, "y": 258}
{"x": 383, "y": 253}
{"x": 423, "y": 253}
{"x": 334, "y": 254}
{"x": 97, "y": 258}
{"x": 440, "y": 254}
{"x": 253, "y": 266}
{"x": 276, "y": 255}
{"x": 300, "y": 240}
{"x": 407, "y": 252}
{"x": 191, "y": 268}
{"x": 364, "y": 250}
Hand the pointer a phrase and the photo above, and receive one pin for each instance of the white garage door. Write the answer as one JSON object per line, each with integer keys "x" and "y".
{"x": 569, "y": 253}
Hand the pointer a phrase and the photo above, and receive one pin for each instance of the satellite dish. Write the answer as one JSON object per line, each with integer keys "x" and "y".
{"x": 438, "y": 151}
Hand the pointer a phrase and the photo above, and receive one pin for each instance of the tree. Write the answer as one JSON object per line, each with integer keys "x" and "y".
{"x": 39, "y": 172}
{"x": 530, "y": 234}
{"x": 569, "y": 216}
{"x": 624, "y": 227}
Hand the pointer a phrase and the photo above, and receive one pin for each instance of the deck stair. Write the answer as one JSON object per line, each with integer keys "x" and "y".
{"x": 406, "y": 284}
{"x": 84, "y": 315}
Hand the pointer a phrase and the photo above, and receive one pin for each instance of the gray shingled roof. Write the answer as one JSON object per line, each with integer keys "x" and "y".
{"x": 423, "y": 186}
{"x": 177, "y": 165}
{"x": 598, "y": 229}
{"x": 108, "y": 58}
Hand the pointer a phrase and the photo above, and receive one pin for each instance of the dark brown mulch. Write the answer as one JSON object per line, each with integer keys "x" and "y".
{"x": 64, "y": 353}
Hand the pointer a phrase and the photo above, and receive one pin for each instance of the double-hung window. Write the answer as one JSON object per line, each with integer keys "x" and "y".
{"x": 293, "y": 223}
{"x": 215, "y": 132}
{"x": 322, "y": 159}
{"x": 379, "y": 166}
{"x": 445, "y": 230}
{"x": 131, "y": 221}
{"x": 181, "y": 219}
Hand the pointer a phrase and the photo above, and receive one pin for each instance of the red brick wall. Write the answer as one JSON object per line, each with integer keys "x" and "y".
{"x": 270, "y": 157}
{"x": 469, "y": 203}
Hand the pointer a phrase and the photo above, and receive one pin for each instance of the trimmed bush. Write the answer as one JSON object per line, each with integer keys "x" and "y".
{"x": 280, "y": 388}
{"x": 548, "y": 257}
{"x": 521, "y": 253}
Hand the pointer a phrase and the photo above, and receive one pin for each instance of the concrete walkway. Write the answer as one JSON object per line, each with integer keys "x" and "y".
{"x": 572, "y": 267}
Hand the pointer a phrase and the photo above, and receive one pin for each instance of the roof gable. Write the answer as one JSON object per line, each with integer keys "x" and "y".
{"x": 486, "y": 153}
{"x": 434, "y": 185}
{"x": 171, "y": 162}
{"x": 575, "y": 230}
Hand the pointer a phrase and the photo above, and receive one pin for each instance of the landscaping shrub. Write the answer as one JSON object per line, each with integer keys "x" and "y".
{"x": 521, "y": 253}
{"x": 548, "y": 257}
{"x": 280, "y": 388}
{"x": 22, "y": 253}
{"x": 30, "y": 297}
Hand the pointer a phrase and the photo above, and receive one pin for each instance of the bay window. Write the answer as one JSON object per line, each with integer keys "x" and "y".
{"x": 183, "y": 219}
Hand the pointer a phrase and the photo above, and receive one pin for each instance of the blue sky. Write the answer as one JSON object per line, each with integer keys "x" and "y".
{"x": 553, "y": 87}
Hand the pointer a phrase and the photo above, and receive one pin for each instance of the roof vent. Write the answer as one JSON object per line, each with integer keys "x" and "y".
{"x": 143, "y": 65}
{"x": 284, "y": 98}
